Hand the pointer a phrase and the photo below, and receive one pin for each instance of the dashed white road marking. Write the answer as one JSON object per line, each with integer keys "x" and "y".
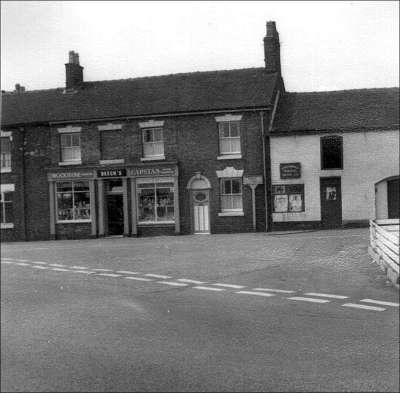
{"x": 40, "y": 267}
{"x": 138, "y": 278}
{"x": 229, "y": 285}
{"x": 57, "y": 269}
{"x": 174, "y": 284}
{"x": 22, "y": 264}
{"x": 308, "y": 299}
{"x": 82, "y": 271}
{"x": 190, "y": 281}
{"x": 157, "y": 275}
{"x": 39, "y": 262}
{"x": 57, "y": 265}
{"x": 79, "y": 267}
{"x": 273, "y": 290}
{"x": 326, "y": 295}
{"x": 210, "y": 288}
{"x": 22, "y": 260}
{"x": 7, "y": 262}
{"x": 256, "y": 293}
{"x": 390, "y": 304}
{"x": 363, "y": 307}
{"x": 108, "y": 275}
{"x": 126, "y": 272}
{"x": 103, "y": 270}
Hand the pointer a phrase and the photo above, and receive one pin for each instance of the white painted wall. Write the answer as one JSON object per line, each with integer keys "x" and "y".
{"x": 368, "y": 157}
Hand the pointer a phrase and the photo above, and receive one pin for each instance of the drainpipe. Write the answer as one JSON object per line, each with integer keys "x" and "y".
{"x": 24, "y": 210}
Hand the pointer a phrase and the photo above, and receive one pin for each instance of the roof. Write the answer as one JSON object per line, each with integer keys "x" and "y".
{"x": 338, "y": 110}
{"x": 177, "y": 93}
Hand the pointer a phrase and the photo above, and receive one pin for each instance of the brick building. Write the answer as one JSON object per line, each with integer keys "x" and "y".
{"x": 176, "y": 154}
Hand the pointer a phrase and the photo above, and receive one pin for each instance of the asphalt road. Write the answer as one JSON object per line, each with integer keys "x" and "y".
{"x": 252, "y": 312}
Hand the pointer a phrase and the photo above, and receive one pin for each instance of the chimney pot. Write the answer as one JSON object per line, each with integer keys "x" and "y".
{"x": 71, "y": 57}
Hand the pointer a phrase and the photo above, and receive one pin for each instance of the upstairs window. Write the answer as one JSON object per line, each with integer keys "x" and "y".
{"x": 231, "y": 195}
{"x": 70, "y": 147}
{"x": 229, "y": 137}
{"x": 5, "y": 158}
{"x": 332, "y": 152}
{"x": 153, "y": 142}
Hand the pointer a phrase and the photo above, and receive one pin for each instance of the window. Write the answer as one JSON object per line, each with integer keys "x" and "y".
{"x": 73, "y": 201}
{"x": 332, "y": 152}
{"x": 288, "y": 198}
{"x": 153, "y": 143}
{"x": 70, "y": 147}
{"x": 111, "y": 145}
{"x": 6, "y": 208}
{"x": 229, "y": 137}
{"x": 231, "y": 195}
{"x": 5, "y": 157}
{"x": 156, "y": 202}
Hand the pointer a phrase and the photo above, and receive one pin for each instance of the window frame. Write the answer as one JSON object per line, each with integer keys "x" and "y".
{"x": 3, "y": 202}
{"x": 223, "y": 194}
{"x": 331, "y": 138}
{"x": 6, "y": 157}
{"x": 63, "y": 148}
{"x": 153, "y": 143}
{"x": 289, "y": 189}
{"x": 229, "y": 138}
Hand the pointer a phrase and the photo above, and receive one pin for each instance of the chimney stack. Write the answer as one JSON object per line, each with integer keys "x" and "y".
{"x": 272, "y": 52}
{"x": 19, "y": 89}
{"x": 73, "y": 71}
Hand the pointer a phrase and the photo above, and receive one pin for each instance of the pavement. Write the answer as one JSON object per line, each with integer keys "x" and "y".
{"x": 243, "y": 312}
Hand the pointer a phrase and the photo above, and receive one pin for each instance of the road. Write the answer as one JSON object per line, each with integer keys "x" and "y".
{"x": 248, "y": 312}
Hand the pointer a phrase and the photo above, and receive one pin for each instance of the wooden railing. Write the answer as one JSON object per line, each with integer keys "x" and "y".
{"x": 384, "y": 246}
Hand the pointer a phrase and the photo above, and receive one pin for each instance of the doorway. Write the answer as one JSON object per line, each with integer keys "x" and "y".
{"x": 393, "y": 195}
{"x": 115, "y": 208}
{"x": 201, "y": 211}
{"x": 331, "y": 202}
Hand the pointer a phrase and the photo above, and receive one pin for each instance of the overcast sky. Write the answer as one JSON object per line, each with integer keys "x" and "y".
{"x": 324, "y": 45}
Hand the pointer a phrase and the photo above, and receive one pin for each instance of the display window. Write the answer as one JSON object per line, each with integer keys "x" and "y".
{"x": 288, "y": 198}
{"x": 73, "y": 201}
{"x": 156, "y": 202}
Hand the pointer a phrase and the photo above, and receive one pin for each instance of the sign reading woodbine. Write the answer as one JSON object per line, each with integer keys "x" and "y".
{"x": 291, "y": 170}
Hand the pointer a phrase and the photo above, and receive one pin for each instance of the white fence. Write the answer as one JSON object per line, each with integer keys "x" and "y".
{"x": 384, "y": 246}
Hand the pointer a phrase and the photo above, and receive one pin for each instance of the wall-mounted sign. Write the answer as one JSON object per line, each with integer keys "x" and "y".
{"x": 145, "y": 172}
{"x": 290, "y": 170}
{"x": 252, "y": 180}
{"x": 70, "y": 175}
{"x": 111, "y": 172}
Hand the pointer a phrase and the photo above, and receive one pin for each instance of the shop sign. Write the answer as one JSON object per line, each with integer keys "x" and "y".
{"x": 70, "y": 175}
{"x": 290, "y": 170}
{"x": 252, "y": 180}
{"x": 111, "y": 172}
{"x": 145, "y": 172}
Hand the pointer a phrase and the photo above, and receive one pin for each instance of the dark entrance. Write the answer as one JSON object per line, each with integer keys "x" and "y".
{"x": 115, "y": 209}
{"x": 393, "y": 193}
{"x": 331, "y": 202}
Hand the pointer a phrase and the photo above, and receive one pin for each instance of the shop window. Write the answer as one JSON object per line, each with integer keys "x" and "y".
{"x": 332, "y": 152}
{"x": 70, "y": 147}
{"x": 73, "y": 201}
{"x": 5, "y": 156}
{"x": 231, "y": 195}
{"x": 153, "y": 143}
{"x": 229, "y": 137}
{"x": 111, "y": 145}
{"x": 288, "y": 198}
{"x": 6, "y": 209}
{"x": 156, "y": 202}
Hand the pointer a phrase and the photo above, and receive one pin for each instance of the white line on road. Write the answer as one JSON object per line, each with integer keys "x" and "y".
{"x": 309, "y": 299}
{"x": 174, "y": 284}
{"x": 108, "y": 275}
{"x": 126, "y": 272}
{"x": 39, "y": 262}
{"x": 57, "y": 265}
{"x": 22, "y": 260}
{"x": 40, "y": 267}
{"x": 8, "y": 262}
{"x": 82, "y": 271}
{"x": 22, "y": 264}
{"x": 326, "y": 295}
{"x": 57, "y": 269}
{"x": 273, "y": 290}
{"x": 256, "y": 293}
{"x": 79, "y": 267}
{"x": 138, "y": 278}
{"x": 156, "y": 275}
{"x": 229, "y": 285}
{"x": 363, "y": 307}
{"x": 103, "y": 270}
{"x": 391, "y": 304}
{"x": 210, "y": 289}
{"x": 190, "y": 281}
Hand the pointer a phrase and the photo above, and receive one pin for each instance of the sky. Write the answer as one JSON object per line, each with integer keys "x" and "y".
{"x": 324, "y": 45}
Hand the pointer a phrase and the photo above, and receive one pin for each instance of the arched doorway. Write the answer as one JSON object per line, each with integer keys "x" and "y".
{"x": 199, "y": 188}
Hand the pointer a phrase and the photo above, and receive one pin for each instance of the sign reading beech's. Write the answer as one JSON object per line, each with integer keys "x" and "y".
{"x": 144, "y": 172}
{"x": 111, "y": 172}
{"x": 290, "y": 170}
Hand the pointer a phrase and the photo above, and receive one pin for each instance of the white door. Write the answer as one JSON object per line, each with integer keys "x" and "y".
{"x": 201, "y": 213}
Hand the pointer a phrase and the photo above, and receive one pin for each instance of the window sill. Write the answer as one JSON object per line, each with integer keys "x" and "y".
{"x": 153, "y": 158}
{"x": 73, "y": 221}
{"x": 5, "y": 170}
{"x": 65, "y": 163}
{"x": 108, "y": 162}
{"x": 156, "y": 223}
{"x": 6, "y": 225}
{"x": 237, "y": 156}
{"x": 231, "y": 214}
